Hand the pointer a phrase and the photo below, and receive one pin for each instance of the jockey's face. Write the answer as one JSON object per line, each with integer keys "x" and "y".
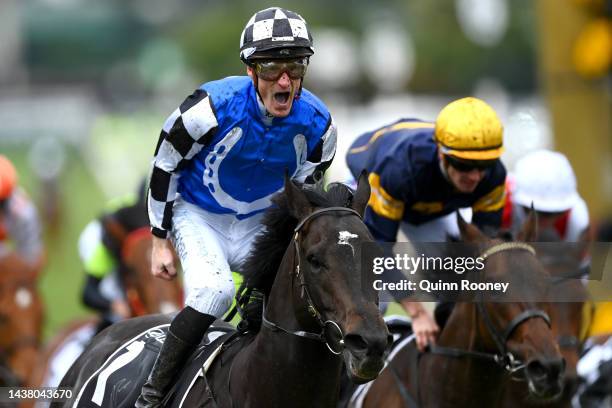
{"x": 277, "y": 95}
{"x": 463, "y": 180}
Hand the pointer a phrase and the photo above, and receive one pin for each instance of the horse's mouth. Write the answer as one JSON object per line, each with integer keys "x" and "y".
{"x": 362, "y": 370}
{"x": 545, "y": 392}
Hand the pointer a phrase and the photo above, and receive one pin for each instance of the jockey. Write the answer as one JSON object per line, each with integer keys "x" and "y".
{"x": 220, "y": 158}
{"x": 100, "y": 250}
{"x": 546, "y": 180}
{"x": 19, "y": 220}
{"x": 422, "y": 172}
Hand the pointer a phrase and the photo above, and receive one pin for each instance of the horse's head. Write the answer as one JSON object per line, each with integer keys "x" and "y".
{"x": 320, "y": 276}
{"x": 145, "y": 294}
{"x": 21, "y": 315}
{"x": 518, "y": 332}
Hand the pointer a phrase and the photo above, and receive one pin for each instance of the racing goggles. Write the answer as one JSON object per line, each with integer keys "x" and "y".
{"x": 466, "y": 166}
{"x": 272, "y": 70}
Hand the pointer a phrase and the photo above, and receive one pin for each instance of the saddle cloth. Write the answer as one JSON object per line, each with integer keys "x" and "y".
{"x": 117, "y": 383}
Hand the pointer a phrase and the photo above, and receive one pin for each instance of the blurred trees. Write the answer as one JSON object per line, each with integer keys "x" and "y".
{"x": 85, "y": 41}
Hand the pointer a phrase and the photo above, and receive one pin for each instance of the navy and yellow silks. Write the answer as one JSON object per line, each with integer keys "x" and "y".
{"x": 408, "y": 184}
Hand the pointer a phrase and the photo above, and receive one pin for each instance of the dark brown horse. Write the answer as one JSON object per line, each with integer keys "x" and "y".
{"x": 481, "y": 344}
{"x": 317, "y": 314}
{"x": 21, "y": 319}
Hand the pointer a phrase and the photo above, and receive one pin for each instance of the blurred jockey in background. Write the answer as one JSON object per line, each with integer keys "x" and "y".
{"x": 20, "y": 228}
{"x": 100, "y": 253}
{"x": 546, "y": 180}
{"x": 422, "y": 172}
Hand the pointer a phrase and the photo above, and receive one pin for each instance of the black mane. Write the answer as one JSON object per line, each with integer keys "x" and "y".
{"x": 259, "y": 268}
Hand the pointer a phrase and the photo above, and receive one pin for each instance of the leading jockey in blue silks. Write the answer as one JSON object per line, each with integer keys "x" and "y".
{"x": 220, "y": 158}
{"x": 421, "y": 173}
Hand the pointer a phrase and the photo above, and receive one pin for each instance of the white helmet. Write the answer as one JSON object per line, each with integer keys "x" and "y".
{"x": 546, "y": 179}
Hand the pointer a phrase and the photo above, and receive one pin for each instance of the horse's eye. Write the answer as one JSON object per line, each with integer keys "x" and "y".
{"x": 314, "y": 262}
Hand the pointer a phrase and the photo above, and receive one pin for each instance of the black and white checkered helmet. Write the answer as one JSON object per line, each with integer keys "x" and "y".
{"x": 275, "y": 33}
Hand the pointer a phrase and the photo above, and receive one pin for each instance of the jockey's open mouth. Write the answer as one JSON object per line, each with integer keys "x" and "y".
{"x": 281, "y": 97}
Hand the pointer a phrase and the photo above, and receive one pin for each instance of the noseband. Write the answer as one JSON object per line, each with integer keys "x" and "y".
{"x": 331, "y": 333}
{"x": 504, "y": 357}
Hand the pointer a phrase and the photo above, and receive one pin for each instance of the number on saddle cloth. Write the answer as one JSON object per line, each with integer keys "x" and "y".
{"x": 117, "y": 383}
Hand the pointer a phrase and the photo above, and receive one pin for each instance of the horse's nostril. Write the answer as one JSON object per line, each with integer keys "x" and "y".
{"x": 356, "y": 343}
{"x": 536, "y": 370}
{"x": 543, "y": 369}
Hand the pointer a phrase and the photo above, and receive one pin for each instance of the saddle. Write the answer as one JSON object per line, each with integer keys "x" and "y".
{"x": 117, "y": 383}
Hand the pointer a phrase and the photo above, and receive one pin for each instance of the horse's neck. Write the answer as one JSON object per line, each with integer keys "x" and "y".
{"x": 469, "y": 381}
{"x": 285, "y": 369}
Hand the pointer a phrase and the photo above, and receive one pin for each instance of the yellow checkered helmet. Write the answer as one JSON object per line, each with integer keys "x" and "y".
{"x": 469, "y": 129}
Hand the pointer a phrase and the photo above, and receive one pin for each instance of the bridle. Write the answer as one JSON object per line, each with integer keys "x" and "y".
{"x": 331, "y": 333}
{"x": 504, "y": 357}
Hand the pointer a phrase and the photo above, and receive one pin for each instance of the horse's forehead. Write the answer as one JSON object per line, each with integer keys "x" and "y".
{"x": 23, "y": 297}
{"x": 343, "y": 234}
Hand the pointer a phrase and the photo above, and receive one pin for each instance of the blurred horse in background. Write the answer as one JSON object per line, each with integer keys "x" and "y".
{"x": 21, "y": 319}
{"x": 145, "y": 295}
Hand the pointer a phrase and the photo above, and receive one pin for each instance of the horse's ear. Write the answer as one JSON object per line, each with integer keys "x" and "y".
{"x": 529, "y": 229}
{"x": 469, "y": 232}
{"x": 297, "y": 203}
{"x": 362, "y": 195}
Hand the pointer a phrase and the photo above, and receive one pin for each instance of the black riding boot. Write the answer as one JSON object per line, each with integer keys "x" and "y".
{"x": 185, "y": 333}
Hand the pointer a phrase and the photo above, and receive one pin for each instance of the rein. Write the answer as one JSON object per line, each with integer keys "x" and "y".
{"x": 331, "y": 333}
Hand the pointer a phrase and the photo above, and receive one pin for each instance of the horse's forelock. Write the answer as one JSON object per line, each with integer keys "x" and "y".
{"x": 259, "y": 269}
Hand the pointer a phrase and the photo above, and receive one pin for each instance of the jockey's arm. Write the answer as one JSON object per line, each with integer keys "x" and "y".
{"x": 91, "y": 296}
{"x": 177, "y": 146}
{"x": 100, "y": 264}
{"x": 383, "y": 215}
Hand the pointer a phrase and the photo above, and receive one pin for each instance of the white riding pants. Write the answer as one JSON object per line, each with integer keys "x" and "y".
{"x": 210, "y": 246}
